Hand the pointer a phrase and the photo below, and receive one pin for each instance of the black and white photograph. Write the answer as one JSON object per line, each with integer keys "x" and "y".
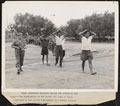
{"x": 60, "y": 45}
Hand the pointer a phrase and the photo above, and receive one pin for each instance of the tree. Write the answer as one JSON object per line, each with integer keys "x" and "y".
{"x": 28, "y": 23}
{"x": 102, "y": 24}
{"x": 72, "y": 27}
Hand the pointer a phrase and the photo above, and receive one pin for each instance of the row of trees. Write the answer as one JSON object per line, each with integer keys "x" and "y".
{"x": 31, "y": 25}
{"x": 102, "y": 24}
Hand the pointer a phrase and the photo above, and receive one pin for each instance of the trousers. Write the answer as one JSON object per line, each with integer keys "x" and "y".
{"x": 19, "y": 54}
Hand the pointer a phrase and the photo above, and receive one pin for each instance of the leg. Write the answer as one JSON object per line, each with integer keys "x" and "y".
{"x": 61, "y": 56}
{"x": 56, "y": 54}
{"x": 61, "y": 62}
{"x": 63, "y": 53}
{"x": 83, "y": 65}
{"x": 83, "y": 58}
{"x": 91, "y": 67}
{"x": 43, "y": 59}
{"x": 46, "y": 53}
{"x": 47, "y": 60}
{"x": 21, "y": 59}
{"x": 17, "y": 55}
{"x": 90, "y": 57}
{"x": 56, "y": 61}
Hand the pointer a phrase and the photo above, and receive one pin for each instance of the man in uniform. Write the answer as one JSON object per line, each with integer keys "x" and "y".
{"x": 19, "y": 46}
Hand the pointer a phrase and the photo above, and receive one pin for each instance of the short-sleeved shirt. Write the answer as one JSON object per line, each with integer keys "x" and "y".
{"x": 86, "y": 43}
{"x": 19, "y": 43}
{"x": 59, "y": 40}
{"x": 44, "y": 41}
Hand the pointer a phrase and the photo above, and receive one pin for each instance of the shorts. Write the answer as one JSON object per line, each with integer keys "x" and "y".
{"x": 86, "y": 55}
{"x": 44, "y": 51}
{"x": 59, "y": 51}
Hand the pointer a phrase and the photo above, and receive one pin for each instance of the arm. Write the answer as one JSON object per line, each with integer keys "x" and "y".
{"x": 64, "y": 33}
{"x": 53, "y": 34}
{"x": 63, "y": 41}
{"x": 63, "y": 37}
{"x": 81, "y": 33}
{"x": 93, "y": 33}
{"x": 14, "y": 45}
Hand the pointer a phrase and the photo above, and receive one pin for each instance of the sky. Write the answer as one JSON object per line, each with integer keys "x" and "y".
{"x": 58, "y": 12}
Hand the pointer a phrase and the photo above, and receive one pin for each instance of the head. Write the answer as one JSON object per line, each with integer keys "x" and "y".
{"x": 87, "y": 34}
{"x": 20, "y": 36}
{"x": 59, "y": 33}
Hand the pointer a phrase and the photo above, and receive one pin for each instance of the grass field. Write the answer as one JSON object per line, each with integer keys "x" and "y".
{"x": 38, "y": 76}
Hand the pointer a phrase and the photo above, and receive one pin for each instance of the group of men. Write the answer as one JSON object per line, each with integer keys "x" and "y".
{"x": 58, "y": 38}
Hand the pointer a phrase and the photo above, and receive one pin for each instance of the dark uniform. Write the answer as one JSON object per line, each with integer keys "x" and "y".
{"x": 19, "y": 46}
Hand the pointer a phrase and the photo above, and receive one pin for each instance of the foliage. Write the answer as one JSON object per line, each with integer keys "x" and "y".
{"x": 102, "y": 24}
{"x": 28, "y": 23}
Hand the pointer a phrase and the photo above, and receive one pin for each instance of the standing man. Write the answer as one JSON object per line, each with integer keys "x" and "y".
{"x": 86, "y": 54}
{"x": 19, "y": 46}
{"x": 44, "y": 41}
{"x": 59, "y": 36}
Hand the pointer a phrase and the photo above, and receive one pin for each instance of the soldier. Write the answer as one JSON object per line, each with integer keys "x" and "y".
{"x": 19, "y": 46}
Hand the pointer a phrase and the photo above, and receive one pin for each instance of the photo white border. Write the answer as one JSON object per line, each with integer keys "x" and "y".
{"x": 4, "y": 16}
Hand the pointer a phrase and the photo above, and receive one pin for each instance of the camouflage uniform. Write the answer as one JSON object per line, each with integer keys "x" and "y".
{"x": 19, "y": 46}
